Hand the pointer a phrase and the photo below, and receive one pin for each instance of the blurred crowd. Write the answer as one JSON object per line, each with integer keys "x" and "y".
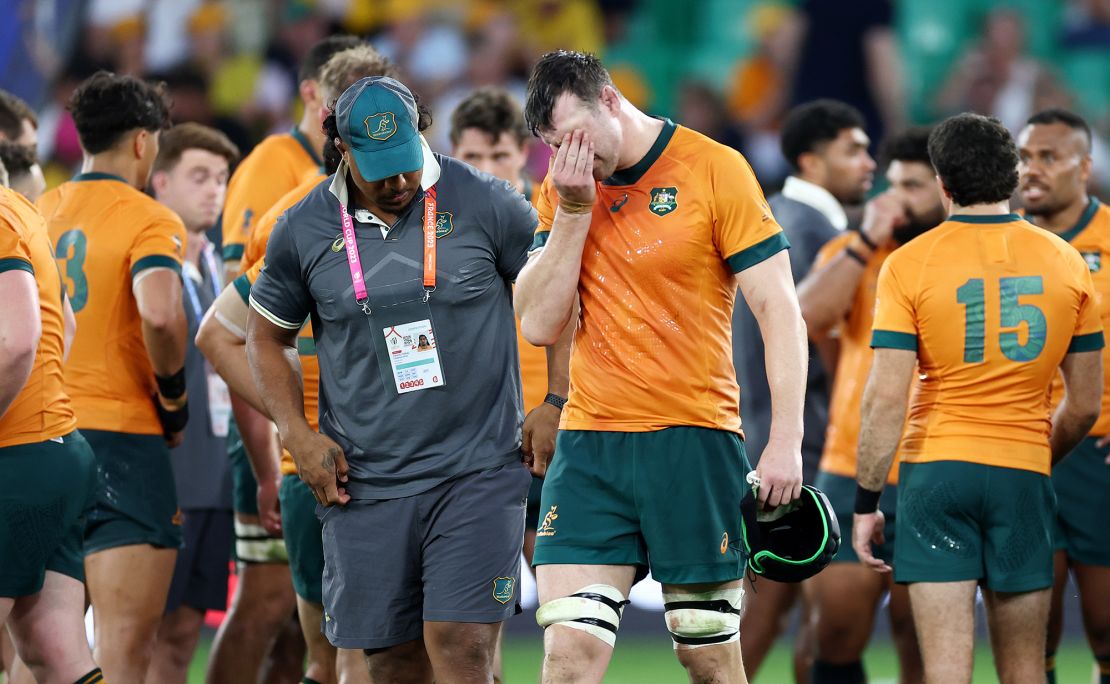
{"x": 728, "y": 68}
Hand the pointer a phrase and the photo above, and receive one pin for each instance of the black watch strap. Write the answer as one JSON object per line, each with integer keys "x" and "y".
{"x": 555, "y": 400}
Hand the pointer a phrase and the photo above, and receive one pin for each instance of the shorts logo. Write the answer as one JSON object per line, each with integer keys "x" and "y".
{"x": 337, "y": 244}
{"x": 1094, "y": 260}
{"x": 663, "y": 201}
{"x": 178, "y": 518}
{"x": 380, "y": 126}
{"x": 444, "y": 224}
{"x": 503, "y": 588}
{"x": 547, "y": 527}
{"x": 724, "y": 544}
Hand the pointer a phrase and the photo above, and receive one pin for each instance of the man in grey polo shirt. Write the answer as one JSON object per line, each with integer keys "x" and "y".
{"x": 420, "y": 442}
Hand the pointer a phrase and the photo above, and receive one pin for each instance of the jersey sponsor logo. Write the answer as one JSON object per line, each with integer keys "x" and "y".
{"x": 618, "y": 203}
{"x": 380, "y": 126}
{"x": 547, "y": 526}
{"x": 1094, "y": 260}
{"x": 444, "y": 224}
{"x": 663, "y": 201}
{"x": 503, "y": 589}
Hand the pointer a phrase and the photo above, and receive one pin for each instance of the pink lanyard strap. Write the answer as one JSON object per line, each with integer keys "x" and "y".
{"x": 355, "y": 263}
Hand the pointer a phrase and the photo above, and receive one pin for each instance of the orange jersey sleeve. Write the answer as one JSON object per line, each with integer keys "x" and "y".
{"x": 991, "y": 304}
{"x": 106, "y": 236}
{"x": 42, "y": 409}
{"x": 744, "y": 229}
{"x": 277, "y": 165}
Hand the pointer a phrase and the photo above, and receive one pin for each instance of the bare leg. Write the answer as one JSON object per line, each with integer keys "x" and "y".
{"x": 177, "y": 641}
{"x": 1056, "y": 608}
{"x": 321, "y": 654}
{"x": 1094, "y": 592}
{"x": 844, "y": 597}
{"x": 48, "y": 629}
{"x": 910, "y": 669}
{"x": 765, "y": 618}
{"x": 461, "y": 652}
{"x": 402, "y": 664}
{"x": 128, "y": 587}
{"x": 351, "y": 664}
{"x": 716, "y": 664}
{"x": 944, "y": 615}
{"x": 1017, "y": 627}
{"x": 571, "y": 655}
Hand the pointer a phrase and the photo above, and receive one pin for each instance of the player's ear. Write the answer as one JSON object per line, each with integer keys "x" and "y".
{"x": 138, "y": 143}
{"x": 308, "y": 89}
{"x": 158, "y": 181}
{"x": 1085, "y": 165}
{"x": 610, "y": 99}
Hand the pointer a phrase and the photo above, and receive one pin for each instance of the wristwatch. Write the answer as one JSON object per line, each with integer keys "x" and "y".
{"x": 555, "y": 400}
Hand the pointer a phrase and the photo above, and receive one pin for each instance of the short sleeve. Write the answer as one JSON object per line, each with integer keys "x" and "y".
{"x": 1088, "y": 335}
{"x": 256, "y": 243}
{"x": 517, "y": 225}
{"x": 158, "y": 245}
{"x": 280, "y": 294}
{"x": 745, "y": 231}
{"x": 545, "y": 215}
{"x": 895, "y": 325}
{"x": 15, "y": 254}
{"x": 830, "y": 249}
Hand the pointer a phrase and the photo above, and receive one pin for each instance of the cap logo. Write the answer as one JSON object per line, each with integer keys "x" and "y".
{"x": 380, "y": 126}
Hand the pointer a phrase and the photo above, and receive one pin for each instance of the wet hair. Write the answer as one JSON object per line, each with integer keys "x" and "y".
{"x": 559, "y": 72}
{"x": 319, "y": 54}
{"x": 975, "y": 158}
{"x": 492, "y": 111}
{"x": 107, "y": 106}
{"x": 193, "y": 136}
{"x": 1057, "y": 115}
{"x": 911, "y": 145}
{"x": 332, "y": 156}
{"x": 17, "y": 158}
{"x": 348, "y": 67}
{"x": 809, "y": 126}
{"x": 13, "y": 112}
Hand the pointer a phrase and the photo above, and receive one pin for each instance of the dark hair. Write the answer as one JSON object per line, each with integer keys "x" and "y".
{"x": 319, "y": 54}
{"x": 16, "y": 158}
{"x": 492, "y": 111}
{"x": 1062, "y": 116}
{"x": 193, "y": 136}
{"x": 332, "y": 157}
{"x": 911, "y": 145}
{"x": 13, "y": 111}
{"x": 562, "y": 71}
{"x": 107, "y": 106}
{"x": 813, "y": 124}
{"x": 975, "y": 158}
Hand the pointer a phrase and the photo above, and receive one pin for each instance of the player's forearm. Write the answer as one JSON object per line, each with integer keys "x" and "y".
{"x": 1070, "y": 424}
{"x": 882, "y": 415}
{"x": 548, "y": 285}
{"x": 164, "y": 340}
{"x": 69, "y": 328}
{"x": 17, "y": 358}
{"x": 276, "y": 370}
{"x": 825, "y": 295}
{"x": 558, "y": 359}
{"x": 227, "y": 352}
{"x": 786, "y": 356}
{"x": 257, "y": 433}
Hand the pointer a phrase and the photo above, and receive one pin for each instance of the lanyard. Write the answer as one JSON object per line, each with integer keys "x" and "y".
{"x": 191, "y": 288}
{"x": 355, "y": 263}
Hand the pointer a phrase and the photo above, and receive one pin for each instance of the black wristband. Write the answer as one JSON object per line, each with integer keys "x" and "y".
{"x": 855, "y": 256}
{"x": 173, "y": 386}
{"x": 172, "y": 421}
{"x": 867, "y": 501}
{"x": 555, "y": 400}
{"x": 867, "y": 241}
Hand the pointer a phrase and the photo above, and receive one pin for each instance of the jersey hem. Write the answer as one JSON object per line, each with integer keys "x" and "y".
{"x": 243, "y": 287}
{"x": 232, "y": 252}
{"x": 623, "y": 426}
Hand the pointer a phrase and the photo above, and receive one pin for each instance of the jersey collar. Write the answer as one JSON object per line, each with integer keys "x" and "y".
{"x": 634, "y": 173}
{"x": 813, "y": 195}
{"x": 985, "y": 218}
{"x": 313, "y": 154}
{"x": 98, "y": 175}
{"x": 338, "y": 187}
{"x": 1084, "y": 220}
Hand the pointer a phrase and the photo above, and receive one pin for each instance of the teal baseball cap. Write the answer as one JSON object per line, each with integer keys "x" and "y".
{"x": 377, "y": 119}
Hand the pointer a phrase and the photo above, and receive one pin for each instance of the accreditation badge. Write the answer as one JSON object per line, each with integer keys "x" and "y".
{"x": 413, "y": 356}
{"x": 219, "y": 404}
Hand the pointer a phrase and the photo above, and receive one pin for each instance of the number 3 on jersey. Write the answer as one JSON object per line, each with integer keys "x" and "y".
{"x": 71, "y": 247}
{"x": 1013, "y": 313}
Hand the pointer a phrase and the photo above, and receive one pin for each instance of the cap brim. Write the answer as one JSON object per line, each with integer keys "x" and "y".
{"x": 378, "y": 164}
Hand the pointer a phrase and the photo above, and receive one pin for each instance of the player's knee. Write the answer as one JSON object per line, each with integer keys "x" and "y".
{"x": 824, "y": 672}
{"x": 595, "y": 610}
{"x": 704, "y": 618}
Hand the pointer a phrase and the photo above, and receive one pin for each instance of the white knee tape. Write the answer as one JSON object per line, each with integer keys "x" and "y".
{"x": 253, "y": 544}
{"x": 595, "y": 610}
{"x": 703, "y": 619}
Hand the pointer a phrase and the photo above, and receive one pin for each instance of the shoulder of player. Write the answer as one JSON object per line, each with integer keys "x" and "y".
{"x": 701, "y": 154}
{"x": 454, "y": 174}
{"x": 273, "y": 150}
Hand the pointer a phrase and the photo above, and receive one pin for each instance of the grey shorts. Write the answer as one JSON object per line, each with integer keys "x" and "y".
{"x": 450, "y": 554}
